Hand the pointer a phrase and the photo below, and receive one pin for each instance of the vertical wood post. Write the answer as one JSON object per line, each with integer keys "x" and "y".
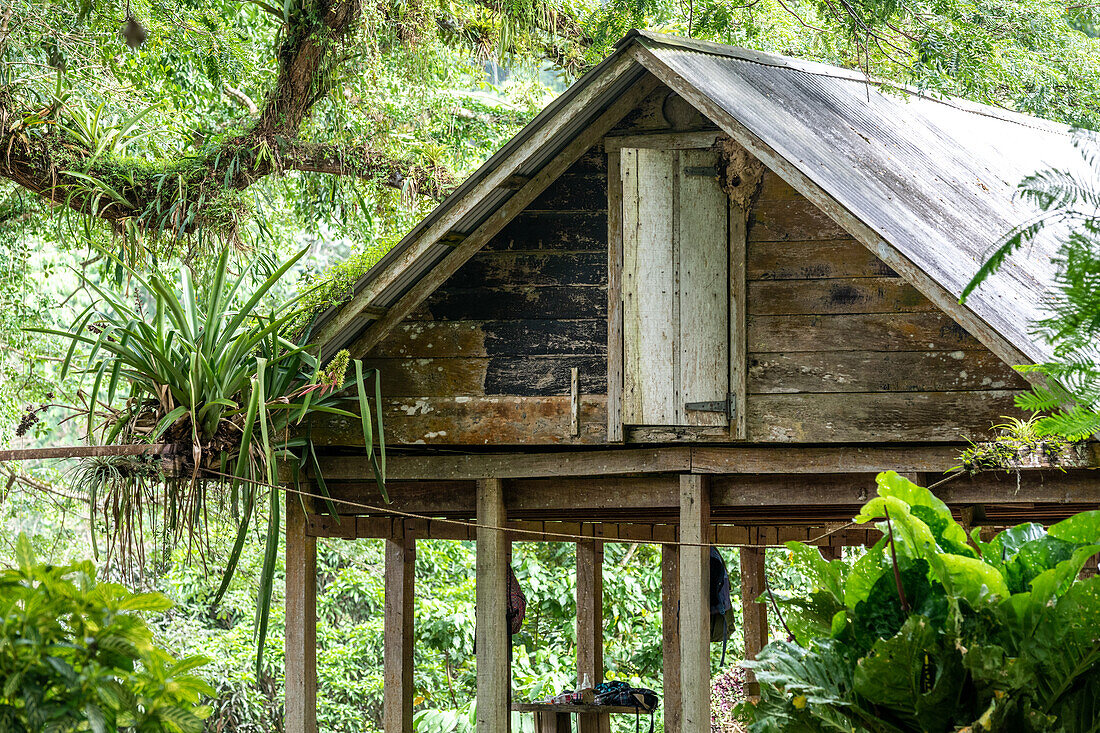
{"x": 755, "y": 614}
{"x": 670, "y": 627}
{"x": 590, "y": 624}
{"x": 694, "y": 605}
{"x": 491, "y": 623}
{"x": 300, "y": 710}
{"x": 397, "y": 685}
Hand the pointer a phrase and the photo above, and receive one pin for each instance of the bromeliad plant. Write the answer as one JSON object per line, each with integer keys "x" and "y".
{"x": 213, "y": 371}
{"x": 932, "y": 631}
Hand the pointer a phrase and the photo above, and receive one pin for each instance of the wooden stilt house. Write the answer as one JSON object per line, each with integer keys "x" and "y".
{"x": 705, "y": 296}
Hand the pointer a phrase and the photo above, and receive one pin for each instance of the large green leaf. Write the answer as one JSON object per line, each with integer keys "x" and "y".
{"x": 1083, "y": 528}
{"x": 970, "y": 578}
{"x": 913, "y": 676}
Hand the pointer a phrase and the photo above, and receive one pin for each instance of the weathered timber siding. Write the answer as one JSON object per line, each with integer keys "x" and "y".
{"x": 841, "y": 348}
{"x": 487, "y": 358}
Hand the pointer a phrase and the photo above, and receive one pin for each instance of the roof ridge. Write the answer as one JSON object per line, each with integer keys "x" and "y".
{"x": 818, "y": 68}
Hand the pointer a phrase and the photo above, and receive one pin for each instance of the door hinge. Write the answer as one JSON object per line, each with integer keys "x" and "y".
{"x": 728, "y": 406}
{"x": 706, "y": 171}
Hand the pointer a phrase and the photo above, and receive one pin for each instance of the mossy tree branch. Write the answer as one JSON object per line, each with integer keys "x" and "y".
{"x": 177, "y": 196}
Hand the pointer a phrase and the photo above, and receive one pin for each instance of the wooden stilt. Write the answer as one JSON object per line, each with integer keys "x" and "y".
{"x": 590, "y": 625}
{"x": 491, "y": 624}
{"x": 670, "y": 627}
{"x": 755, "y": 614}
{"x": 397, "y": 700}
{"x": 694, "y": 605}
{"x": 301, "y": 623}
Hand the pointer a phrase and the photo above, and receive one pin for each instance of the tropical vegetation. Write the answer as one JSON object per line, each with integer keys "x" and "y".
{"x": 934, "y": 630}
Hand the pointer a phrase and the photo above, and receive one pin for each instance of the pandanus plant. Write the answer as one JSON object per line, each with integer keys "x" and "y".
{"x": 227, "y": 376}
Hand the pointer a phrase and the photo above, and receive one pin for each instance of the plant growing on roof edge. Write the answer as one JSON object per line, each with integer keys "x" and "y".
{"x": 213, "y": 371}
{"x": 933, "y": 631}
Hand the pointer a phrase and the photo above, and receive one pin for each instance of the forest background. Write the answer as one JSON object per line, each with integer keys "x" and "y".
{"x": 409, "y": 97}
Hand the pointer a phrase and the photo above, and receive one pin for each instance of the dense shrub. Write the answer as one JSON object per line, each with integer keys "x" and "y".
{"x": 933, "y": 631}
{"x": 75, "y": 655}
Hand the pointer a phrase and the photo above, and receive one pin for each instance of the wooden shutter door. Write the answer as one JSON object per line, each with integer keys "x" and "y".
{"x": 704, "y": 288}
{"x": 675, "y": 287}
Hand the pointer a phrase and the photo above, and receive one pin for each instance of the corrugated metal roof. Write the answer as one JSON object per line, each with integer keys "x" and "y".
{"x": 935, "y": 179}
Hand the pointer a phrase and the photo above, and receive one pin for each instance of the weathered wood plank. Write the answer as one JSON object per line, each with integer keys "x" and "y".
{"x": 814, "y": 260}
{"x": 525, "y": 376}
{"x": 773, "y": 418}
{"x": 754, "y": 614}
{"x": 695, "y": 605}
{"x": 589, "y": 622}
{"x": 650, "y": 318}
{"x": 552, "y": 231}
{"x": 877, "y": 417}
{"x": 398, "y": 638}
{"x": 880, "y": 371}
{"x": 474, "y": 421}
{"x": 779, "y": 220}
{"x": 495, "y": 269}
{"x": 517, "y": 465}
{"x": 858, "y": 332}
{"x": 823, "y": 459}
{"x": 738, "y": 317}
{"x": 841, "y": 295}
{"x": 663, "y": 140}
{"x": 573, "y": 193}
{"x": 449, "y": 339}
{"x": 301, "y": 624}
{"x": 614, "y": 344}
{"x": 702, "y": 222}
{"x": 494, "y": 646}
{"x": 520, "y": 301}
{"x": 670, "y": 635}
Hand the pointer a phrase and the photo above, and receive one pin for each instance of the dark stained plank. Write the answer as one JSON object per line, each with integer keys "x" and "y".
{"x": 495, "y": 269}
{"x": 553, "y": 230}
{"x": 442, "y": 339}
{"x": 778, "y": 220}
{"x": 774, "y": 187}
{"x": 877, "y": 417}
{"x": 573, "y": 193}
{"x": 812, "y": 260}
{"x": 880, "y": 371}
{"x": 839, "y": 295}
{"x": 526, "y": 376}
{"x": 933, "y": 330}
{"x": 520, "y": 302}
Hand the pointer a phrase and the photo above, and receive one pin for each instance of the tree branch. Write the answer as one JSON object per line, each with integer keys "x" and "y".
{"x": 182, "y": 195}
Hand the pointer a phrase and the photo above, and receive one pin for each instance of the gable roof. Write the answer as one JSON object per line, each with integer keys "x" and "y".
{"x": 927, "y": 184}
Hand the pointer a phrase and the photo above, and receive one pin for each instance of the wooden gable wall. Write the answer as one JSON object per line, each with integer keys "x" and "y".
{"x": 840, "y": 349}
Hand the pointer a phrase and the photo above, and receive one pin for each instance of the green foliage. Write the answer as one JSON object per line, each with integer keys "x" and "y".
{"x": 1018, "y": 441}
{"x": 1068, "y": 210}
{"x": 76, "y": 655}
{"x": 934, "y": 632}
{"x": 210, "y": 370}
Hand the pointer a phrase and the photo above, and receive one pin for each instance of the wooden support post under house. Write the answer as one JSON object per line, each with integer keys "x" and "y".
{"x": 491, "y": 622}
{"x": 670, "y": 628}
{"x": 694, "y": 604}
{"x": 755, "y": 614}
{"x": 397, "y": 696}
{"x": 590, "y": 625}
{"x": 301, "y": 622}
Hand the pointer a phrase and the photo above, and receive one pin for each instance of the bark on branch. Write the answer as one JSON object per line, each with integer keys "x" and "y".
{"x": 175, "y": 196}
